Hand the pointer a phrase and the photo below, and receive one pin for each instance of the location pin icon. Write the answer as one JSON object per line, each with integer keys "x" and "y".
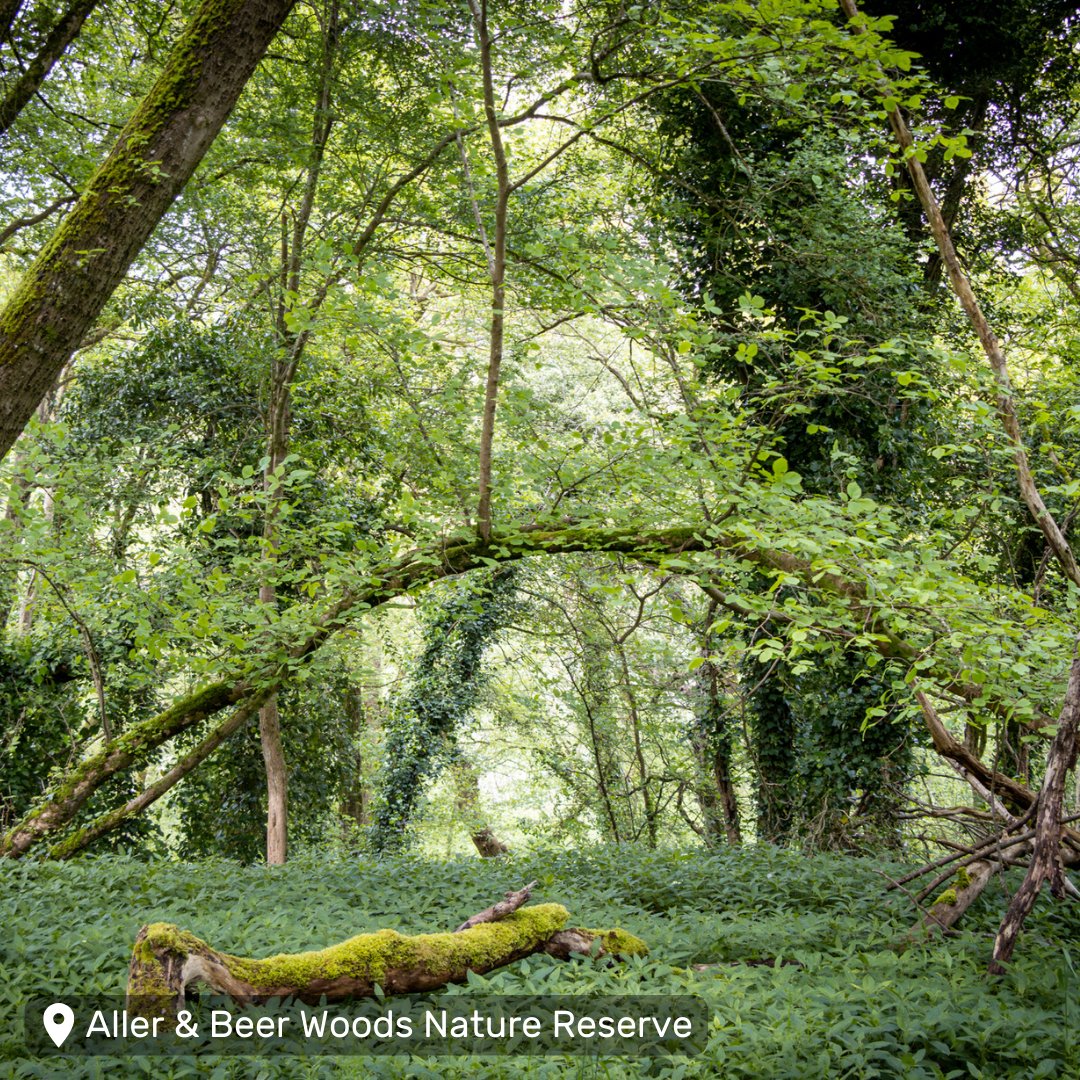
{"x": 58, "y": 1021}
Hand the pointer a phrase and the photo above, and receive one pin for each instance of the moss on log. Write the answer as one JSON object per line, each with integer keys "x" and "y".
{"x": 166, "y": 960}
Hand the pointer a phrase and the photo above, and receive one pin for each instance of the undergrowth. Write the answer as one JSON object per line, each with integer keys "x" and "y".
{"x": 850, "y": 1005}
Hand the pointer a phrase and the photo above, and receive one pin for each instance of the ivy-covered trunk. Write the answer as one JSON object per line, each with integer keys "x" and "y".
{"x": 773, "y": 728}
{"x": 74, "y": 275}
{"x": 442, "y": 692}
{"x": 713, "y": 747}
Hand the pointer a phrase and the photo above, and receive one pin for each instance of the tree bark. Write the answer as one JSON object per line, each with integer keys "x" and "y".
{"x": 990, "y": 783}
{"x": 713, "y": 745}
{"x": 283, "y": 369}
{"x": 499, "y": 910}
{"x": 273, "y": 753}
{"x": 496, "y": 270}
{"x": 64, "y": 291}
{"x": 9, "y": 9}
{"x": 467, "y": 804}
{"x": 277, "y": 784}
{"x": 946, "y": 910}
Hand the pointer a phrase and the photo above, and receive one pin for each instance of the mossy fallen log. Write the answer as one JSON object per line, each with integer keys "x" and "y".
{"x": 945, "y": 911}
{"x": 167, "y": 960}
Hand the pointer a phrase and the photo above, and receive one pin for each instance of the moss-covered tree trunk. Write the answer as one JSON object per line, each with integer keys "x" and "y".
{"x": 73, "y": 277}
{"x": 166, "y": 960}
{"x": 63, "y": 33}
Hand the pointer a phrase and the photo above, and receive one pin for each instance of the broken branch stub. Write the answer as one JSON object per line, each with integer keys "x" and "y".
{"x": 506, "y": 906}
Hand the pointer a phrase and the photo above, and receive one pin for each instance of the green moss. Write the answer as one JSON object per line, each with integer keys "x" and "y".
{"x": 960, "y": 882}
{"x": 370, "y": 957}
{"x": 165, "y": 937}
{"x": 149, "y": 992}
{"x": 619, "y": 942}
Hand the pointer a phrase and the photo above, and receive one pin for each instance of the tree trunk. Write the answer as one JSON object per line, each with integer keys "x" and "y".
{"x": 283, "y": 370}
{"x": 496, "y": 270}
{"x": 946, "y": 910}
{"x": 166, "y": 960}
{"x": 467, "y": 804}
{"x": 713, "y": 745}
{"x": 73, "y": 277}
{"x": 63, "y": 33}
{"x": 277, "y": 774}
{"x": 8, "y": 10}
{"x": 1045, "y": 864}
{"x": 277, "y": 784}
{"x": 363, "y": 712}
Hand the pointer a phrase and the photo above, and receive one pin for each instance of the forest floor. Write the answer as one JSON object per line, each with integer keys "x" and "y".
{"x": 849, "y": 1006}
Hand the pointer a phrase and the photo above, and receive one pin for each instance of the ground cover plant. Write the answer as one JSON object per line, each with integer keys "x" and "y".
{"x": 841, "y": 1002}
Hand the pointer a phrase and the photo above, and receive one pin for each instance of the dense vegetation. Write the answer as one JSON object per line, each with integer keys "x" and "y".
{"x": 633, "y": 443}
{"x": 852, "y": 1007}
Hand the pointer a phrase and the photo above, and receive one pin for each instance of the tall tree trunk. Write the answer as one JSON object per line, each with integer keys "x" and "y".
{"x": 63, "y": 33}
{"x": 363, "y": 713}
{"x": 277, "y": 773}
{"x": 18, "y": 497}
{"x": 277, "y": 784}
{"x": 773, "y": 728}
{"x": 713, "y": 745}
{"x": 648, "y": 803}
{"x": 283, "y": 369}
{"x": 496, "y": 255}
{"x": 64, "y": 291}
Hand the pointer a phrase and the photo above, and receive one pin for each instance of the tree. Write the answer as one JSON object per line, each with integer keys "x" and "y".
{"x": 721, "y": 437}
{"x": 73, "y": 277}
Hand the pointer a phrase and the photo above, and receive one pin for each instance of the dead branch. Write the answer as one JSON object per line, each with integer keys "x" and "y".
{"x": 500, "y": 910}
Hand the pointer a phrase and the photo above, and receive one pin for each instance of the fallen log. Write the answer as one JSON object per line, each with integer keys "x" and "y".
{"x": 166, "y": 960}
{"x": 967, "y": 886}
